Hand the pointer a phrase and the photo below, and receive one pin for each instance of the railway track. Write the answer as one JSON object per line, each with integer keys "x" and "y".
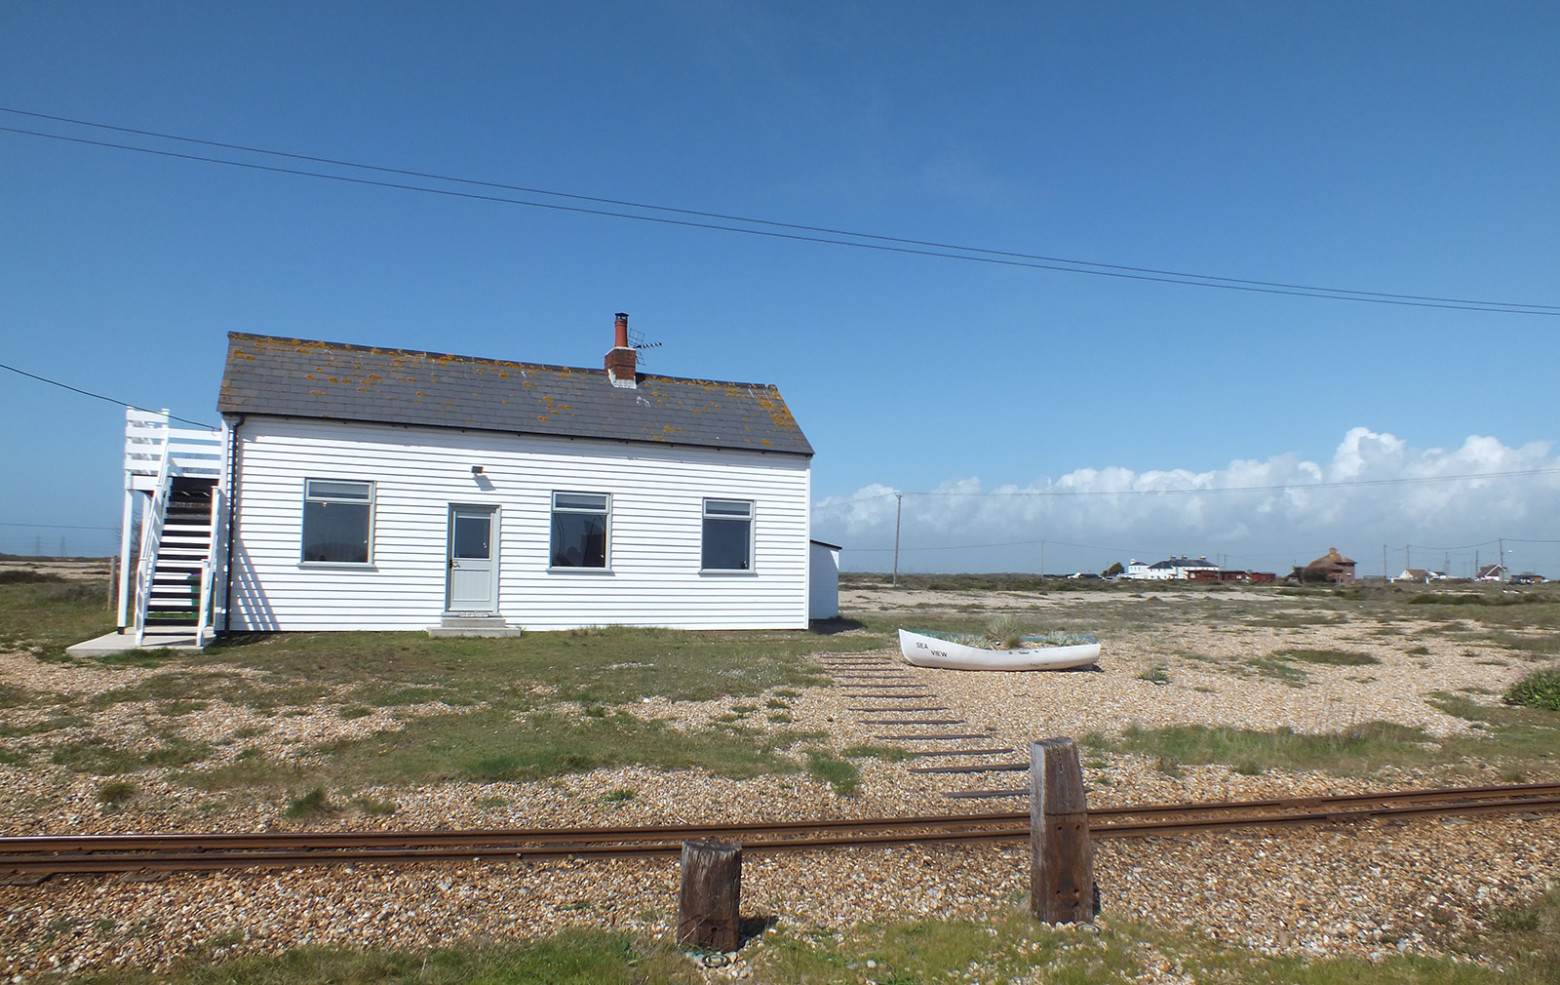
{"x": 33, "y": 857}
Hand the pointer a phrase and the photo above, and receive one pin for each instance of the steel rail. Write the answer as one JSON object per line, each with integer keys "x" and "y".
{"x": 49, "y": 854}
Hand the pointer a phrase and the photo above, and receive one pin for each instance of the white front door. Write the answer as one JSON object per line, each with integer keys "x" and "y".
{"x": 473, "y": 560}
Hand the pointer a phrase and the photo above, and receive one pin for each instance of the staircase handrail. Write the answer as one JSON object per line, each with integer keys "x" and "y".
{"x": 151, "y": 541}
{"x": 203, "y": 625}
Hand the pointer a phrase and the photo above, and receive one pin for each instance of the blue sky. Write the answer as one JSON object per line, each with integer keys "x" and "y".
{"x": 1403, "y": 148}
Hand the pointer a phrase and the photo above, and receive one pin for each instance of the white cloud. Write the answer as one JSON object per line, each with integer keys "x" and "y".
{"x": 1267, "y": 514}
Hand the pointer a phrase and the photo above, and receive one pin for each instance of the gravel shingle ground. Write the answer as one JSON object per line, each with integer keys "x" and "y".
{"x": 1363, "y": 890}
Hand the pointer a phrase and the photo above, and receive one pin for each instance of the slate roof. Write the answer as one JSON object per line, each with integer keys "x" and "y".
{"x": 334, "y": 381}
{"x": 1182, "y": 562}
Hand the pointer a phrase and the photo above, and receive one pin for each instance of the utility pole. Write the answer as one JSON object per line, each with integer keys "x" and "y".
{"x": 899, "y": 504}
{"x": 1502, "y": 543}
{"x": 1042, "y": 560}
{"x": 1385, "y": 578}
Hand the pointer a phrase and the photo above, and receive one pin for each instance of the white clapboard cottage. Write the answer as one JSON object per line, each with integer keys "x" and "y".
{"x": 357, "y": 488}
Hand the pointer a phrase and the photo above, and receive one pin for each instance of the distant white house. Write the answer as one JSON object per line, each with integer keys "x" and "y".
{"x": 1168, "y": 570}
{"x": 1422, "y": 575}
{"x": 1492, "y": 572}
{"x": 359, "y": 488}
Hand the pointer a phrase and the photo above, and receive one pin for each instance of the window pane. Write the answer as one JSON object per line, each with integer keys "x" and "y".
{"x": 726, "y": 544}
{"x": 580, "y": 501}
{"x": 727, "y": 507}
{"x": 335, "y": 532}
{"x": 321, "y": 489}
{"x": 579, "y": 540}
{"x": 471, "y": 535}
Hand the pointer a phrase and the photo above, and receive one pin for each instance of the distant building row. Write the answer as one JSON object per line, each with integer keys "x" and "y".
{"x": 1488, "y": 572}
{"x": 1330, "y": 567}
{"x": 1189, "y": 569}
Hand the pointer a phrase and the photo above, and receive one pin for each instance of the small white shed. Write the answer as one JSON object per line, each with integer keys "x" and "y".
{"x": 823, "y": 580}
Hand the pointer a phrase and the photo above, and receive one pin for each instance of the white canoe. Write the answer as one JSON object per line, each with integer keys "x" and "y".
{"x": 926, "y": 649}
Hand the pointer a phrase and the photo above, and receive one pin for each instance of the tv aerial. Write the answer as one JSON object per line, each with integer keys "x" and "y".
{"x": 636, "y": 341}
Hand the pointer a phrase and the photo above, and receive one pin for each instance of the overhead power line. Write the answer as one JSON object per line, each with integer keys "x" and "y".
{"x": 98, "y": 396}
{"x": 775, "y": 229}
{"x": 1195, "y": 491}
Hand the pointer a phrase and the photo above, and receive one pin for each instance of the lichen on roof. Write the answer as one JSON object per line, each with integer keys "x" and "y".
{"x": 304, "y": 378}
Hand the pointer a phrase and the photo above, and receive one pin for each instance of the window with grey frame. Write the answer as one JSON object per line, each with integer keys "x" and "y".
{"x": 338, "y": 521}
{"x": 728, "y": 535}
{"x": 579, "y": 529}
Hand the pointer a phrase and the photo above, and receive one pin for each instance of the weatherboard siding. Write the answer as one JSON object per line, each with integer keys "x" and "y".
{"x": 654, "y": 540}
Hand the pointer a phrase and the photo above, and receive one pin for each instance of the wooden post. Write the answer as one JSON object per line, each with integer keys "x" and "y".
{"x": 711, "y": 894}
{"x": 1061, "y": 874}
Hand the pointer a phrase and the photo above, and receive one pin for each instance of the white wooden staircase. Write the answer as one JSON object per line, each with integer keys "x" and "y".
{"x": 179, "y": 575}
{"x": 176, "y": 475}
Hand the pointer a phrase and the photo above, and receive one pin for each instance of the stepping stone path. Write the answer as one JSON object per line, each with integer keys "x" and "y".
{"x": 912, "y": 717}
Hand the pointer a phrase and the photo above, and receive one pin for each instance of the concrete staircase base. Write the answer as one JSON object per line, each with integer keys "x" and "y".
{"x": 122, "y": 642}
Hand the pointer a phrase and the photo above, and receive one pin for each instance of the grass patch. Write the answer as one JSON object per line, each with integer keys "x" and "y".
{"x": 840, "y": 774}
{"x": 394, "y": 696}
{"x": 1540, "y": 689}
{"x": 606, "y": 666}
{"x": 45, "y": 614}
{"x": 26, "y": 576}
{"x": 1294, "y": 620}
{"x": 622, "y": 795}
{"x": 96, "y": 756}
{"x": 494, "y": 745}
{"x": 1521, "y": 947}
{"x": 174, "y": 709}
{"x": 15, "y": 697}
{"x": 250, "y": 768}
{"x": 375, "y": 807}
{"x": 266, "y": 694}
{"x": 116, "y": 794}
{"x": 176, "y": 751}
{"x": 1331, "y": 658}
{"x": 312, "y": 804}
{"x": 1278, "y": 670}
{"x": 51, "y": 724}
{"x": 1356, "y": 751}
{"x": 1541, "y": 646}
{"x": 888, "y": 754}
{"x": 1157, "y": 674}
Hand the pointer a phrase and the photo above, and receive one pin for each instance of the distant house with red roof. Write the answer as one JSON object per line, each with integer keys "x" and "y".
{"x": 1330, "y": 567}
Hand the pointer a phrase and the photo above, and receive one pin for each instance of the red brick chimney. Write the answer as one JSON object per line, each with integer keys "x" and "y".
{"x": 622, "y": 356}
